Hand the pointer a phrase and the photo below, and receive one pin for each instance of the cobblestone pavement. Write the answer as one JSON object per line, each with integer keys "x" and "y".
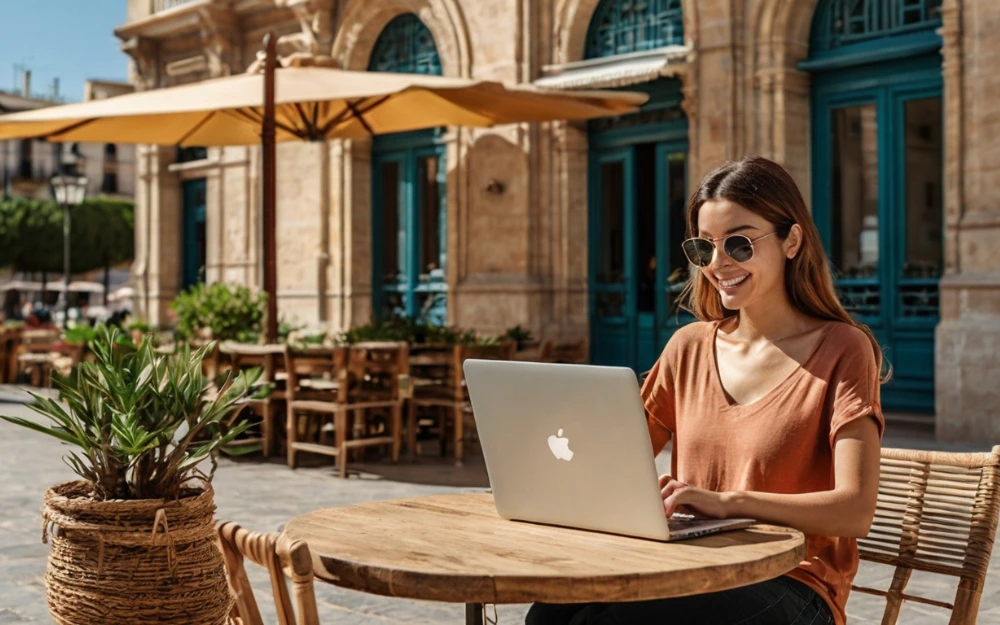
{"x": 263, "y": 495}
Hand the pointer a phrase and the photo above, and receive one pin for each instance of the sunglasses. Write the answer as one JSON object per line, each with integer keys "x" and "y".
{"x": 736, "y": 246}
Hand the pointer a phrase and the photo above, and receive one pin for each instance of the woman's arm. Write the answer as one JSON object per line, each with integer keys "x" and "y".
{"x": 847, "y": 510}
{"x": 659, "y": 435}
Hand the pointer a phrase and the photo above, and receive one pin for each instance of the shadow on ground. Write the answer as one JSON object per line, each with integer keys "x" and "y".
{"x": 429, "y": 469}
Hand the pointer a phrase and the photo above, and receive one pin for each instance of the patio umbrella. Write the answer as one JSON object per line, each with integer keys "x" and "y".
{"x": 21, "y": 285}
{"x": 304, "y": 104}
{"x": 83, "y": 286}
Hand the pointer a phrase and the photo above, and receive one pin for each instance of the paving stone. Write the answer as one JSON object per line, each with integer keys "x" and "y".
{"x": 263, "y": 495}
{"x": 8, "y": 615}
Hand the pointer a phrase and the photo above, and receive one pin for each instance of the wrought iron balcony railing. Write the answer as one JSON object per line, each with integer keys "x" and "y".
{"x": 164, "y": 5}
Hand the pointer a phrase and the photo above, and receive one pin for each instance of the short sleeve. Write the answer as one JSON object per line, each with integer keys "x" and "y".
{"x": 855, "y": 385}
{"x": 658, "y": 400}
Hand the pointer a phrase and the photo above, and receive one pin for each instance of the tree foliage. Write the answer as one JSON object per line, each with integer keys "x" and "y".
{"x": 102, "y": 234}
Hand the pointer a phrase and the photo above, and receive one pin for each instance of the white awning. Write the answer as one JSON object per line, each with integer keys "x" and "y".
{"x": 615, "y": 71}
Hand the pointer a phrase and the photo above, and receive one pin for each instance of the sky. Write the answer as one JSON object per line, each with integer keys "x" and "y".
{"x": 68, "y": 39}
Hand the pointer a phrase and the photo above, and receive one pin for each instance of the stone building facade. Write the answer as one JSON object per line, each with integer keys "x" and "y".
{"x": 572, "y": 229}
{"x": 26, "y": 165}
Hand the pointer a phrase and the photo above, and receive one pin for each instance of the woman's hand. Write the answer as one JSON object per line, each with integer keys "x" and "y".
{"x": 679, "y": 497}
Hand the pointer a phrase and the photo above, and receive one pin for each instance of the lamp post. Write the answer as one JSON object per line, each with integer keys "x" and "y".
{"x": 68, "y": 191}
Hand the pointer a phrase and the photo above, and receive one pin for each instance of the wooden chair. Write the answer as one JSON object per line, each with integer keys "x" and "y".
{"x": 5, "y": 348}
{"x": 11, "y": 350}
{"x": 573, "y": 352}
{"x": 444, "y": 388}
{"x": 359, "y": 379}
{"x": 284, "y": 559}
{"x": 37, "y": 353}
{"x": 937, "y": 512}
{"x": 236, "y": 357}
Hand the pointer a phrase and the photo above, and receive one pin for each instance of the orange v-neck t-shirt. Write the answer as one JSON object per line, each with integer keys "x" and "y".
{"x": 781, "y": 443}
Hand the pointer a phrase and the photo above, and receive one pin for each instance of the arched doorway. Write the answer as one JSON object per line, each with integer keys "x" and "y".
{"x": 638, "y": 191}
{"x": 878, "y": 162}
{"x": 409, "y": 182}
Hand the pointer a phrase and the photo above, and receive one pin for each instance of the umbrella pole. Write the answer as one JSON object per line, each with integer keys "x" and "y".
{"x": 270, "y": 197}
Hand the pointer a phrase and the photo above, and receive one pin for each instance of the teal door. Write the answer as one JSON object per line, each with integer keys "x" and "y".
{"x": 409, "y": 183}
{"x": 637, "y": 269}
{"x": 409, "y": 227}
{"x": 613, "y": 271}
{"x": 194, "y": 242}
{"x": 637, "y": 190}
{"x": 878, "y": 162}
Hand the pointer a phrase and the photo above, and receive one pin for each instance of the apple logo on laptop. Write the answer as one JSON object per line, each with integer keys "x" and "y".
{"x": 560, "y": 446}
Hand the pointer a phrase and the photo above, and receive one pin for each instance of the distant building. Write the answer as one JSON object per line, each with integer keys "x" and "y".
{"x": 26, "y": 165}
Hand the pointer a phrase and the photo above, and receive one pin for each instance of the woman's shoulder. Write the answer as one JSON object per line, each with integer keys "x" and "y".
{"x": 693, "y": 332}
{"x": 847, "y": 339}
{"x": 688, "y": 337}
{"x": 847, "y": 334}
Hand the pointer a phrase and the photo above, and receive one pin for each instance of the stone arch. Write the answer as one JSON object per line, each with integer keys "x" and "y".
{"x": 781, "y": 32}
{"x": 364, "y": 20}
{"x": 573, "y": 20}
{"x": 361, "y": 24}
{"x": 570, "y": 27}
{"x": 780, "y": 117}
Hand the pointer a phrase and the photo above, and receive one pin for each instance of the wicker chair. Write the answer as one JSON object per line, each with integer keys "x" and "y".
{"x": 282, "y": 557}
{"x": 937, "y": 512}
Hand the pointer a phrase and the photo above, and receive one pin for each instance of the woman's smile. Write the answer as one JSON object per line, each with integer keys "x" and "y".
{"x": 731, "y": 284}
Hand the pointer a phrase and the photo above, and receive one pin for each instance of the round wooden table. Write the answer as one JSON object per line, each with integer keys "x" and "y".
{"x": 455, "y": 548}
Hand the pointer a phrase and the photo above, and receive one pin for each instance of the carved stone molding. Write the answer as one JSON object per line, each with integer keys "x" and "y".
{"x": 315, "y": 18}
{"x": 220, "y": 36}
{"x": 145, "y": 62}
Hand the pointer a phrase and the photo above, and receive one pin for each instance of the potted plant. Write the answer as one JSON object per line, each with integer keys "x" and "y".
{"x": 132, "y": 539}
{"x": 138, "y": 328}
{"x": 220, "y": 312}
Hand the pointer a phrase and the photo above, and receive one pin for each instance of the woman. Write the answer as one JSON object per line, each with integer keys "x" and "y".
{"x": 772, "y": 402}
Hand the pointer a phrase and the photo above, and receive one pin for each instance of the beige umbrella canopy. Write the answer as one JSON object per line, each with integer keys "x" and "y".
{"x": 311, "y": 103}
{"x": 304, "y": 104}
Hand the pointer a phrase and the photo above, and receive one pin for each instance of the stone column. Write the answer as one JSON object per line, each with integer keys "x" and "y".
{"x": 157, "y": 270}
{"x": 967, "y": 372}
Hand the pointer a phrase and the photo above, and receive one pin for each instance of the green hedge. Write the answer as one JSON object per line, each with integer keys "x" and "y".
{"x": 102, "y": 234}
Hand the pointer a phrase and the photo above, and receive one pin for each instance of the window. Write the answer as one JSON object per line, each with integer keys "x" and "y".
{"x": 187, "y": 154}
{"x": 25, "y": 166}
{"x": 406, "y": 46}
{"x": 110, "y": 183}
{"x": 624, "y": 26}
{"x": 844, "y": 22}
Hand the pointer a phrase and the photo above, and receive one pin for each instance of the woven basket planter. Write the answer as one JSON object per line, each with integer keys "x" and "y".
{"x": 145, "y": 561}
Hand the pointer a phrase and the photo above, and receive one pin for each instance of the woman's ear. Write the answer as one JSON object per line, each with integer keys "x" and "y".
{"x": 793, "y": 242}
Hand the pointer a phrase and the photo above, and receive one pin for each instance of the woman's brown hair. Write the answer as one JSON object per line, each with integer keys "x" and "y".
{"x": 765, "y": 188}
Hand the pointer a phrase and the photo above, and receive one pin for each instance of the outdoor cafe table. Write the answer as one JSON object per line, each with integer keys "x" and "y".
{"x": 455, "y": 548}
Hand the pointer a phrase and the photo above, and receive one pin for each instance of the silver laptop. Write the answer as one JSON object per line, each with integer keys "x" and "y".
{"x": 568, "y": 445}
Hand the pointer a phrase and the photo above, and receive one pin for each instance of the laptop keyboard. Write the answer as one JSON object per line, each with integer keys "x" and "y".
{"x": 680, "y": 523}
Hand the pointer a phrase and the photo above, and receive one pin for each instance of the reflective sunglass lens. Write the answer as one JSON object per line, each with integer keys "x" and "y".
{"x": 739, "y": 248}
{"x": 699, "y": 251}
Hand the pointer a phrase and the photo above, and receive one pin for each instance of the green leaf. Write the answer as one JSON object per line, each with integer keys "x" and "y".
{"x": 242, "y": 450}
{"x": 59, "y": 433}
{"x": 123, "y": 412}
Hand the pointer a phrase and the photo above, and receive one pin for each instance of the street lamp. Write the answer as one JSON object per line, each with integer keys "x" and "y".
{"x": 68, "y": 191}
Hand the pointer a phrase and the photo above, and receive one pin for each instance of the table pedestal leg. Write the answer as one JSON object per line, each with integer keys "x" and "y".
{"x": 473, "y": 614}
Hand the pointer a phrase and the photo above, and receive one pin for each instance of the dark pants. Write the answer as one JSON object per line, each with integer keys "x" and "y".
{"x": 781, "y": 601}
